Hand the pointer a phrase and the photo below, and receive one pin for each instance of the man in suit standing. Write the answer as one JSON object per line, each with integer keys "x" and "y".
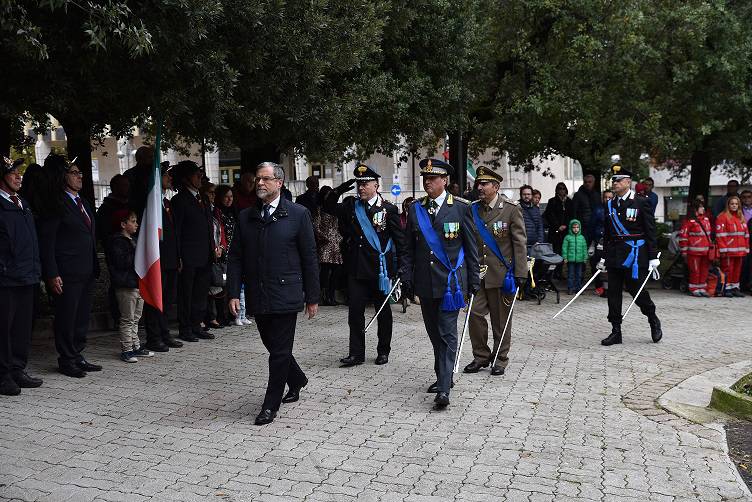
{"x": 310, "y": 199}
{"x": 372, "y": 238}
{"x": 139, "y": 176}
{"x": 442, "y": 264}
{"x": 67, "y": 244}
{"x": 158, "y": 336}
{"x": 630, "y": 247}
{"x": 196, "y": 250}
{"x": 273, "y": 254}
{"x": 20, "y": 270}
{"x": 502, "y": 245}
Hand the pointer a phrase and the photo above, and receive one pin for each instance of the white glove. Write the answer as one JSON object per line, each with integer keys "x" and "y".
{"x": 654, "y": 264}
{"x": 601, "y": 265}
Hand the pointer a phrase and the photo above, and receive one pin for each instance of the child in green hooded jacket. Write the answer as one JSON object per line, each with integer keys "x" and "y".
{"x": 574, "y": 252}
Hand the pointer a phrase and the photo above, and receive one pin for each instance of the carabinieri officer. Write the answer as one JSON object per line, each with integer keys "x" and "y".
{"x": 441, "y": 264}
{"x": 630, "y": 249}
{"x": 373, "y": 239}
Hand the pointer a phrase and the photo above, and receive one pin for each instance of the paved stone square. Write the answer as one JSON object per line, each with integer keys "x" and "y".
{"x": 570, "y": 420}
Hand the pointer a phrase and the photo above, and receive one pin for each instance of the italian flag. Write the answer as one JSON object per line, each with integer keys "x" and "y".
{"x": 150, "y": 232}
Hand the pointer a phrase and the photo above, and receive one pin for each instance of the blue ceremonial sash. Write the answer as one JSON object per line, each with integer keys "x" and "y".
{"x": 632, "y": 260}
{"x": 451, "y": 301}
{"x": 385, "y": 284}
{"x": 509, "y": 284}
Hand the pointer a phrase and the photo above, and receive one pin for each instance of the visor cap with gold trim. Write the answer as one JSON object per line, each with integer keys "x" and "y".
{"x": 619, "y": 173}
{"x": 9, "y": 165}
{"x": 364, "y": 173}
{"x": 487, "y": 174}
{"x": 435, "y": 167}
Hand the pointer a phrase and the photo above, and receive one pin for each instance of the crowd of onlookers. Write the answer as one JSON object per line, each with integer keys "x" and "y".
{"x": 198, "y": 227}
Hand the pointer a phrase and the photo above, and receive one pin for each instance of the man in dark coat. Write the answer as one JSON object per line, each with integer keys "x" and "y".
{"x": 449, "y": 234}
{"x": 193, "y": 224}
{"x": 310, "y": 199}
{"x": 631, "y": 252}
{"x": 158, "y": 336}
{"x": 20, "y": 270}
{"x": 368, "y": 271}
{"x": 583, "y": 202}
{"x": 273, "y": 254}
{"x": 67, "y": 244}
{"x": 116, "y": 201}
{"x": 532, "y": 216}
{"x": 139, "y": 176}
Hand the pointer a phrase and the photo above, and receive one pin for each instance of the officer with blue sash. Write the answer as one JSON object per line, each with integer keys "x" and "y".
{"x": 372, "y": 239}
{"x": 630, "y": 249}
{"x": 502, "y": 252}
{"x": 440, "y": 267}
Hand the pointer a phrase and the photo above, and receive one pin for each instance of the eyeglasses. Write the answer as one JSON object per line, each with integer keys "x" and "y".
{"x": 76, "y": 173}
{"x": 266, "y": 179}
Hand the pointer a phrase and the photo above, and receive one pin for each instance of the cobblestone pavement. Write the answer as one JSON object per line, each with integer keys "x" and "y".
{"x": 570, "y": 420}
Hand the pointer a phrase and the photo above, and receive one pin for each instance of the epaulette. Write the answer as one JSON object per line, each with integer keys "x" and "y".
{"x": 460, "y": 199}
{"x": 475, "y": 201}
{"x": 510, "y": 201}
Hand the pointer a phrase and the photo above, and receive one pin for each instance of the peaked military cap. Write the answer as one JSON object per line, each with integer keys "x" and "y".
{"x": 364, "y": 173}
{"x": 487, "y": 174}
{"x": 618, "y": 172}
{"x": 9, "y": 165}
{"x": 435, "y": 167}
{"x": 165, "y": 167}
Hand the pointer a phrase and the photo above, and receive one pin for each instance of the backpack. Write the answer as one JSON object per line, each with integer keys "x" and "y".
{"x": 716, "y": 281}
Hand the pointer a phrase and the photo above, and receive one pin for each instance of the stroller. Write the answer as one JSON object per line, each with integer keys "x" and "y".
{"x": 544, "y": 261}
{"x": 676, "y": 275}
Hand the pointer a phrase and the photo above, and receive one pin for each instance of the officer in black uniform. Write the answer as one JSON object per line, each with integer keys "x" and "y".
{"x": 449, "y": 232}
{"x": 630, "y": 250}
{"x": 369, "y": 270}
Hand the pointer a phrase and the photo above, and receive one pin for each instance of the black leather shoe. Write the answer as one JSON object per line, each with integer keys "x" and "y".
{"x": 497, "y": 370}
{"x": 442, "y": 400}
{"x": 350, "y": 361}
{"x": 473, "y": 367}
{"x": 72, "y": 371}
{"x": 205, "y": 335}
{"x": 655, "y": 329}
{"x": 8, "y": 387}
{"x": 614, "y": 337}
{"x": 434, "y": 388}
{"x": 157, "y": 347}
{"x": 172, "y": 343}
{"x": 265, "y": 417}
{"x": 25, "y": 381}
{"x": 294, "y": 393}
{"x": 188, "y": 338}
{"x": 87, "y": 366}
{"x": 382, "y": 359}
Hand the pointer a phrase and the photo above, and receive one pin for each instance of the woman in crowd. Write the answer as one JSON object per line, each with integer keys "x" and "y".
{"x": 697, "y": 248}
{"x": 328, "y": 240}
{"x": 224, "y": 216}
{"x": 732, "y": 238}
{"x": 557, "y": 216}
{"x": 209, "y": 193}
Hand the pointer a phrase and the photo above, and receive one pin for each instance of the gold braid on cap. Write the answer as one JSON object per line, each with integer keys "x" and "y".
{"x": 362, "y": 169}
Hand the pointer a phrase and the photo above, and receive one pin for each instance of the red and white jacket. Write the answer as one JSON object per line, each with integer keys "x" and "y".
{"x": 731, "y": 235}
{"x": 694, "y": 236}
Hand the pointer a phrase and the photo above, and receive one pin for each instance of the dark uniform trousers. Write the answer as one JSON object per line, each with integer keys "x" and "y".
{"x": 278, "y": 334}
{"x": 193, "y": 288}
{"x": 15, "y": 327}
{"x": 156, "y": 322}
{"x": 621, "y": 278}
{"x": 72, "y": 309}
{"x": 491, "y": 302}
{"x": 362, "y": 292}
{"x": 442, "y": 331}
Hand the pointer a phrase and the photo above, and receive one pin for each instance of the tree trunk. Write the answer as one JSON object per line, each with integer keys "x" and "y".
{"x": 458, "y": 157}
{"x": 699, "y": 179}
{"x": 78, "y": 136}
{"x": 250, "y": 157}
{"x": 6, "y": 135}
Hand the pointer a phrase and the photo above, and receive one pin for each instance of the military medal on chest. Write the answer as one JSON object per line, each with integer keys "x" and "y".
{"x": 499, "y": 228}
{"x": 379, "y": 220}
{"x": 631, "y": 214}
{"x": 451, "y": 230}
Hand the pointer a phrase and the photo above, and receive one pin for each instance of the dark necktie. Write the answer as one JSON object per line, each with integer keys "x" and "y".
{"x": 167, "y": 205}
{"x": 16, "y": 201}
{"x": 80, "y": 205}
{"x": 200, "y": 200}
{"x": 434, "y": 209}
{"x": 618, "y": 203}
{"x": 267, "y": 211}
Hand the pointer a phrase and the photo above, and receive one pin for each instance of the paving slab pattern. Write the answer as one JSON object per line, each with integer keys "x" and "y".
{"x": 570, "y": 420}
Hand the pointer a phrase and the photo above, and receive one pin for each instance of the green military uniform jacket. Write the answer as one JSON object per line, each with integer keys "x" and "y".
{"x": 505, "y": 223}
